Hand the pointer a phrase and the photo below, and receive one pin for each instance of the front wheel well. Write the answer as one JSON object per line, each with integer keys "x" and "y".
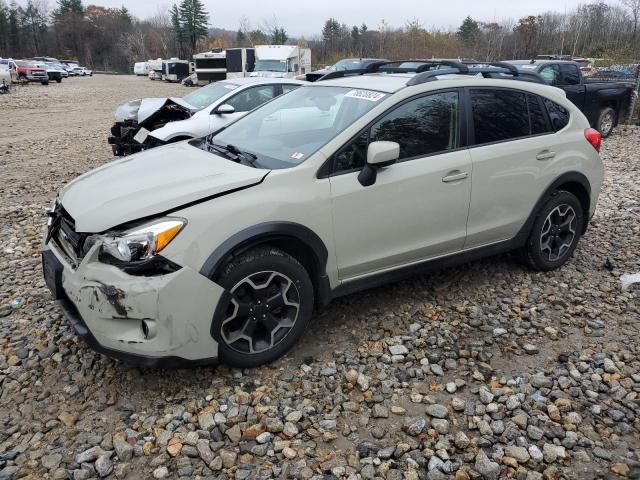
{"x": 295, "y": 247}
{"x": 582, "y": 194}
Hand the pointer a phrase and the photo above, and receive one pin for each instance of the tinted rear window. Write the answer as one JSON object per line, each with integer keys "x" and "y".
{"x": 499, "y": 115}
{"x": 558, "y": 115}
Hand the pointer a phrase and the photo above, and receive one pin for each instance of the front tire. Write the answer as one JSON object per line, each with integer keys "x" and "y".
{"x": 606, "y": 121}
{"x": 555, "y": 233}
{"x": 271, "y": 307}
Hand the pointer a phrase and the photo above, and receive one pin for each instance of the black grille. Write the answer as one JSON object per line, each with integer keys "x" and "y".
{"x": 62, "y": 230}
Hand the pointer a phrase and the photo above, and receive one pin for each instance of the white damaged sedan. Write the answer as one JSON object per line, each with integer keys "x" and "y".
{"x": 150, "y": 122}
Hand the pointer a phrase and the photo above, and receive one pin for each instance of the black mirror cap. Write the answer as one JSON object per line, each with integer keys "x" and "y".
{"x": 368, "y": 175}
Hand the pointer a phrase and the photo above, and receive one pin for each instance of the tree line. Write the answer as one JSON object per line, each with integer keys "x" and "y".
{"x": 112, "y": 38}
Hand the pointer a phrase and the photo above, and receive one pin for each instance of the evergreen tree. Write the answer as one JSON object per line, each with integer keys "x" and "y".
{"x": 469, "y": 31}
{"x": 279, "y": 36}
{"x": 67, "y": 6}
{"x": 4, "y": 26}
{"x": 193, "y": 21}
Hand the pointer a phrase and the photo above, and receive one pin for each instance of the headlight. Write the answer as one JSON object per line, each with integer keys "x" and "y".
{"x": 128, "y": 111}
{"x": 142, "y": 243}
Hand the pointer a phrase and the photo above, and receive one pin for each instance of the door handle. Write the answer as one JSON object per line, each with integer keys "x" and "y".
{"x": 545, "y": 155}
{"x": 454, "y": 177}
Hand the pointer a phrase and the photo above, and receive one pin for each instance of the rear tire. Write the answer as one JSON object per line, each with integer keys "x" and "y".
{"x": 58, "y": 80}
{"x": 555, "y": 232}
{"x": 606, "y": 121}
{"x": 271, "y": 307}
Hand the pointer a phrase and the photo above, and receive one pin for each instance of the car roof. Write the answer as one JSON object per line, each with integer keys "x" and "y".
{"x": 382, "y": 82}
{"x": 393, "y": 82}
{"x": 262, "y": 80}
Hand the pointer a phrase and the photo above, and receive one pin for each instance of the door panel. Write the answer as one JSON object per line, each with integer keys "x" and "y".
{"x": 409, "y": 214}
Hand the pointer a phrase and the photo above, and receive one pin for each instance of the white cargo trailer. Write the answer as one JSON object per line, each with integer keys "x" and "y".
{"x": 141, "y": 68}
{"x": 283, "y": 61}
{"x": 155, "y": 69}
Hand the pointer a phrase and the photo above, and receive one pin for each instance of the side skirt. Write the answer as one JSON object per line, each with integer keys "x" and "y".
{"x": 426, "y": 266}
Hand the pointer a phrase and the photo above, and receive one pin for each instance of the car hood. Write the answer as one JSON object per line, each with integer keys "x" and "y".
{"x": 142, "y": 109}
{"x": 150, "y": 183}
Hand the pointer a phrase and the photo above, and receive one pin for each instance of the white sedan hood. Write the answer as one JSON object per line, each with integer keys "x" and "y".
{"x": 150, "y": 183}
{"x": 143, "y": 108}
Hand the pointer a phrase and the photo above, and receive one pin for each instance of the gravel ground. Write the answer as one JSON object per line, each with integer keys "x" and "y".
{"x": 483, "y": 371}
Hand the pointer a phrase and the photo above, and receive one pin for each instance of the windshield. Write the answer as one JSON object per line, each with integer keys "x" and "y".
{"x": 271, "y": 66}
{"x": 347, "y": 64}
{"x": 22, "y": 63}
{"x": 208, "y": 94}
{"x": 288, "y": 130}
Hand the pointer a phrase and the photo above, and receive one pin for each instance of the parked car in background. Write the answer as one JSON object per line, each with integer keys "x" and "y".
{"x": 146, "y": 123}
{"x": 5, "y": 76}
{"x": 249, "y": 93}
{"x": 28, "y": 71}
{"x": 220, "y": 248}
{"x": 53, "y": 72}
{"x": 70, "y": 66}
{"x": 346, "y": 64}
{"x": 604, "y": 103}
{"x": 82, "y": 72}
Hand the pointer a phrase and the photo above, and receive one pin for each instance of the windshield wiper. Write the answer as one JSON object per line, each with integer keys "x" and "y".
{"x": 232, "y": 152}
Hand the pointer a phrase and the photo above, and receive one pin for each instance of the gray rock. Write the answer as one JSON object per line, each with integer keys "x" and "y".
{"x": 519, "y": 453}
{"x": 204, "y": 451}
{"x": 104, "y": 465}
{"x": 437, "y": 410}
{"x": 51, "y": 462}
{"x": 124, "y": 451}
{"x": 89, "y": 455}
{"x": 398, "y": 350}
{"x": 206, "y": 421}
{"x": 488, "y": 469}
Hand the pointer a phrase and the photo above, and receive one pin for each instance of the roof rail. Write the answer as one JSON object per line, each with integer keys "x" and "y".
{"x": 487, "y": 72}
{"x": 382, "y": 67}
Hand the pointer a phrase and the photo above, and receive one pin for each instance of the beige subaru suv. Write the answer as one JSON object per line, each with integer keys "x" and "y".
{"x": 219, "y": 248}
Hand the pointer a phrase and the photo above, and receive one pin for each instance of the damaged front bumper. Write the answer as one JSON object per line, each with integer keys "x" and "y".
{"x": 161, "y": 321}
{"x": 122, "y": 138}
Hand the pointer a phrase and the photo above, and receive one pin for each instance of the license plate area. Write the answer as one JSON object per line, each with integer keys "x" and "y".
{"x": 142, "y": 135}
{"x": 52, "y": 271}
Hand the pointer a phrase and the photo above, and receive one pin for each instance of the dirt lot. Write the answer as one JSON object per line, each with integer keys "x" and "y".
{"x": 483, "y": 371}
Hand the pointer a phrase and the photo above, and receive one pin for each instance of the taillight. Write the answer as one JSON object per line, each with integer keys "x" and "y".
{"x": 594, "y": 137}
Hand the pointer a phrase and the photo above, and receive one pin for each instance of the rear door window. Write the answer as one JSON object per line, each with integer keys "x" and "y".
{"x": 551, "y": 73}
{"x": 570, "y": 74}
{"x": 251, "y": 98}
{"x": 499, "y": 115}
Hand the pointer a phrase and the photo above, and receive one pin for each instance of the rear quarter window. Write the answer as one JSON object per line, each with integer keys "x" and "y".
{"x": 558, "y": 115}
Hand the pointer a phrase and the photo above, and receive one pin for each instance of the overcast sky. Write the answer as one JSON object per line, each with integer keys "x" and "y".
{"x": 306, "y": 17}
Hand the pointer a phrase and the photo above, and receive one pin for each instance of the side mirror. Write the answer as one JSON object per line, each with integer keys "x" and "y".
{"x": 224, "y": 109}
{"x": 379, "y": 155}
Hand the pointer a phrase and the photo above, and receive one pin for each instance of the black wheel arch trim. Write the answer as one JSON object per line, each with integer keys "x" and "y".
{"x": 262, "y": 233}
{"x": 568, "y": 177}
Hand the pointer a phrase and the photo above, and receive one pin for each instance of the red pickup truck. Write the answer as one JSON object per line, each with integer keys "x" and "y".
{"x": 24, "y": 70}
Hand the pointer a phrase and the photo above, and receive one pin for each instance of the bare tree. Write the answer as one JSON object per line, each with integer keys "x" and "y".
{"x": 634, "y": 7}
